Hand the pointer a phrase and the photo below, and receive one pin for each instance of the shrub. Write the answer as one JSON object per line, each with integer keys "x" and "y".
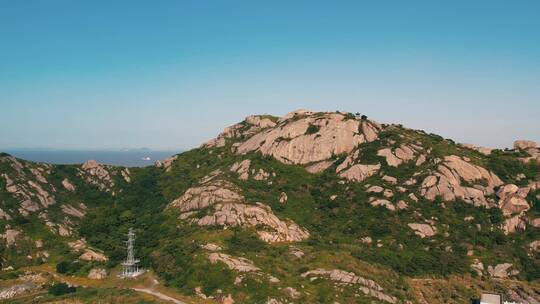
{"x": 312, "y": 129}
{"x": 61, "y": 289}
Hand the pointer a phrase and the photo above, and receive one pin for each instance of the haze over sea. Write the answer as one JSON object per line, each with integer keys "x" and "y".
{"x": 128, "y": 158}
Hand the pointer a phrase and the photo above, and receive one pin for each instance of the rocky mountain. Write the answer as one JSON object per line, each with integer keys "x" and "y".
{"x": 310, "y": 207}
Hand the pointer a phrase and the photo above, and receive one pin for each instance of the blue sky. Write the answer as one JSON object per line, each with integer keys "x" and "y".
{"x": 171, "y": 74}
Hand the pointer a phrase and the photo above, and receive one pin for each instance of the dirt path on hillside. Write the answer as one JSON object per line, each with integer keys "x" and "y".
{"x": 158, "y": 294}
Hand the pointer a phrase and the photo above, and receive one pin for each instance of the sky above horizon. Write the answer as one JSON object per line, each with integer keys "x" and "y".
{"x": 170, "y": 75}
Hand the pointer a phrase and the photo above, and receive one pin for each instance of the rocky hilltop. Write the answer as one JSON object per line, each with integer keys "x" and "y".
{"x": 311, "y": 207}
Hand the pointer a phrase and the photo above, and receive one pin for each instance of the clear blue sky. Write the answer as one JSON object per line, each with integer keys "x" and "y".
{"x": 171, "y": 74}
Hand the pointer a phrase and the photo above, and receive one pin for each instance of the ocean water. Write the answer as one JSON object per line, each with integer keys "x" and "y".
{"x": 118, "y": 158}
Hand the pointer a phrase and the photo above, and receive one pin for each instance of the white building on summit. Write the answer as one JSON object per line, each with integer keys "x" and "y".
{"x": 131, "y": 265}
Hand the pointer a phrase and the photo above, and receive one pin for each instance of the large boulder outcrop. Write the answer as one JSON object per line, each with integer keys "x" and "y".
{"x": 250, "y": 126}
{"x": 207, "y": 194}
{"x": 237, "y": 264}
{"x": 308, "y": 138}
{"x": 166, "y": 163}
{"x": 501, "y": 270}
{"x": 230, "y": 209}
{"x": 366, "y": 286}
{"x": 423, "y": 230}
{"x": 97, "y": 274}
{"x": 259, "y": 215}
{"x": 396, "y": 157}
{"x": 524, "y": 144}
{"x": 96, "y": 174}
{"x": 483, "y": 150}
{"x": 513, "y": 199}
{"x": 359, "y": 172}
{"x": 452, "y": 173}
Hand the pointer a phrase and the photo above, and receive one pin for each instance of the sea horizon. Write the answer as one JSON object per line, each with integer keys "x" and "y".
{"x": 140, "y": 157}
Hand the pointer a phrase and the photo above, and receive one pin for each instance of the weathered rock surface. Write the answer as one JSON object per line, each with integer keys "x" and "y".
{"x": 291, "y": 143}
{"x": 513, "y": 224}
{"x": 16, "y": 290}
{"x": 368, "y": 287}
{"x": 512, "y": 199}
{"x": 242, "y": 169}
{"x": 319, "y": 166}
{"x": 500, "y": 270}
{"x": 447, "y": 182}
{"x": 283, "y": 197}
{"x": 97, "y": 174}
{"x": 91, "y": 255}
{"x": 251, "y": 125}
{"x": 97, "y": 274}
{"x": 231, "y": 209}
{"x": 396, "y": 157}
{"x": 206, "y": 195}
{"x": 10, "y": 236}
{"x": 382, "y": 202}
{"x": 359, "y": 172}
{"x": 234, "y": 214}
{"x": 423, "y": 230}
{"x": 68, "y": 185}
{"x": 237, "y": 264}
{"x": 211, "y": 247}
{"x": 166, "y": 163}
{"x": 483, "y": 150}
{"x": 70, "y": 210}
{"x": 524, "y": 144}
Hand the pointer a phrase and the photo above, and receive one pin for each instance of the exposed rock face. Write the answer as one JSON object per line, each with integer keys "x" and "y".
{"x": 4, "y": 215}
{"x": 231, "y": 209}
{"x": 11, "y": 236}
{"x": 500, "y": 270}
{"x": 97, "y": 174}
{"x": 292, "y": 293}
{"x": 513, "y": 206}
{"x": 389, "y": 179}
{"x": 238, "y": 264}
{"x": 211, "y": 247}
{"x": 91, "y": 255}
{"x": 43, "y": 196}
{"x": 512, "y": 199}
{"x": 320, "y": 166}
{"x": 126, "y": 175}
{"x": 166, "y": 163}
{"x": 359, "y": 172}
{"x": 535, "y": 245}
{"x": 368, "y": 287}
{"x": 251, "y": 125}
{"x": 524, "y": 144}
{"x": 291, "y": 143}
{"x": 242, "y": 169}
{"x": 478, "y": 267}
{"x": 206, "y": 195}
{"x": 283, "y": 197}
{"x": 402, "y": 154}
{"x": 382, "y": 202}
{"x": 97, "y": 274}
{"x": 423, "y": 230}
{"x": 68, "y": 185}
{"x": 483, "y": 150}
{"x": 15, "y": 290}
{"x": 446, "y": 182}
{"x": 514, "y": 223}
{"x": 68, "y": 209}
{"x": 260, "y": 121}
{"x": 233, "y": 214}
{"x": 375, "y": 189}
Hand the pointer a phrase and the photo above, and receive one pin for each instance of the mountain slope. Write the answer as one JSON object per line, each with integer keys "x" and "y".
{"x": 306, "y": 208}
